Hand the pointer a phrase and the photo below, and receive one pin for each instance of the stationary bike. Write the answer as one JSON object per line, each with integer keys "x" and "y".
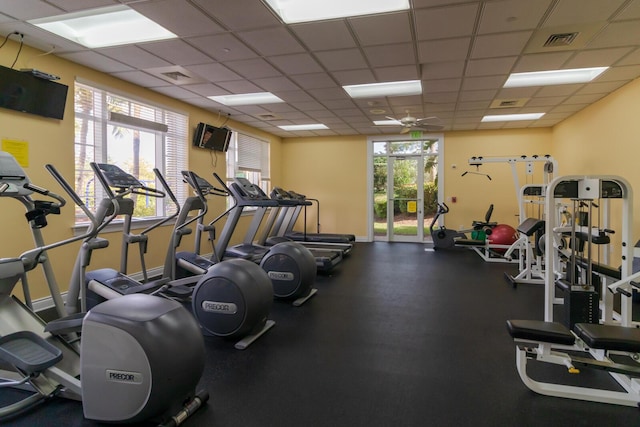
{"x": 443, "y": 238}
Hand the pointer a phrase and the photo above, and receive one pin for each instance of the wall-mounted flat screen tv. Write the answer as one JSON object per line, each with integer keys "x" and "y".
{"x": 211, "y": 137}
{"x": 25, "y": 92}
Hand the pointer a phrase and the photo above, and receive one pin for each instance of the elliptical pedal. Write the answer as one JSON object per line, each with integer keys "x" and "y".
{"x": 28, "y": 352}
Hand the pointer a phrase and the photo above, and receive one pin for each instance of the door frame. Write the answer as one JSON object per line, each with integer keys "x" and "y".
{"x": 391, "y": 138}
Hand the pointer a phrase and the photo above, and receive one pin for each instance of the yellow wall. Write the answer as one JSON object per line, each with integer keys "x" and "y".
{"x": 474, "y": 193}
{"x": 52, "y": 141}
{"x": 603, "y": 139}
{"x": 334, "y": 171}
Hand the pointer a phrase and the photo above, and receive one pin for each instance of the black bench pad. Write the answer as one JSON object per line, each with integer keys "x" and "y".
{"x": 530, "y": 225}
{"x": 538, "y": 330}
{"x": 609, "y": 337}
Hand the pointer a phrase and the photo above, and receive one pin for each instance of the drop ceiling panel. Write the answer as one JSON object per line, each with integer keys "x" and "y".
{"x": 276, "y": 84}
{"x": 397, "y": 29}
{"x": 214, "y": 72}
{"x": 350, "y": 77}
{"x": 327, "y": 35}
{"x": 134, "y": 57}
{"x": 222, "y": 47}
{"x": 179, "y": 17}
{"x": 346, "y": 59}
{"x": 569, "y": 12}
{"x": 442, "y": 85}
{"x": 253, "y": 68}
{"x": 299, "y": 63}
{"x": 441, "y": 70}
{"x": 271, "y": 41}
{"x": 443, "y": 50}
{"x": 240, "y": 86}
{"x": 28, "y": 9}
{"x": 618, "y": 34}
{"x": 631, "y": 11}
{"x": 541, "y": 61}
{"x": 314, "y": 80}
{"x": 396, "y": 73}
{"x": 445, "y": 22}
{"x": 388, "y": 55}
{"x": 71, "y": 5}
{"x": 597, "y": 58}
{"x": 625, "y": 73}
{"x": 511, "y": 15}
{"x": 141, "y": 78}
{"x": 96, "y": 61}
{"x": 176, "y": 51}
{"x": 496, "y": 45}
{"x": 239, "y": 14}
{"x": 490, "y": 66}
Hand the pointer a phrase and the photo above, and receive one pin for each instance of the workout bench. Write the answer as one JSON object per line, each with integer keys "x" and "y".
{"x": 541, "y": 341}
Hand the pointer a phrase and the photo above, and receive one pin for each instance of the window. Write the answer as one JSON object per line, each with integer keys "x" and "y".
{"x": 134, "y": 135}
{"x": 248, "y": 157}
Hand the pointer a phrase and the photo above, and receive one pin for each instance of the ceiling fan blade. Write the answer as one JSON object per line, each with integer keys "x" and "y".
{"x": 429, "y": 120}
{"x": 405, "y": 129}
{"x": 430, "y": 127}
{"x": 391, "y": 118}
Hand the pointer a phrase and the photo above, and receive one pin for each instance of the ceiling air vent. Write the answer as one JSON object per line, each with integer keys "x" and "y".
{"x": 560, "y": 39}
{"x": 268, "y": 116}
{"x": 176, "y": 75}
{"x": 508, "y": 103}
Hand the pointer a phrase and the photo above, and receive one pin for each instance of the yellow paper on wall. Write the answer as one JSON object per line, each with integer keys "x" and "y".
{"x": 18, "y": 149}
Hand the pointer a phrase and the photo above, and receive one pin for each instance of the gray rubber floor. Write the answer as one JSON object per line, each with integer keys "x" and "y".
{"x": 396, "y": 336}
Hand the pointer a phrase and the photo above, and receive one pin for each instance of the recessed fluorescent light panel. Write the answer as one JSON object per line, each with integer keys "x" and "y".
{"x": 373, "y": 90}
{"x": 512, "y": 117}
{"x": 247, "y": 99}
{"x": 314, "y": 126}
{"x": 108, "y": 26}
{"x": 293, "y": 11}
{"x": 386, "y": 122}
{"x": 554, "y": 77}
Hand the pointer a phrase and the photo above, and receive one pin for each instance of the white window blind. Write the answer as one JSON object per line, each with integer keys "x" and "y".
{"x": 134, "y": 135}
{"x": 248, "y": 157}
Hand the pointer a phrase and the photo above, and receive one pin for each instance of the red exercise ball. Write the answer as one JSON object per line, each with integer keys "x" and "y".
{"x": 502, "y": 234}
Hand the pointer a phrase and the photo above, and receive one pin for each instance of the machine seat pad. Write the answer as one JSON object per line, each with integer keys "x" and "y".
{"x": 530, "y": 225}
{"x": 538, "y": 330}
{"x": 609, "y": 337}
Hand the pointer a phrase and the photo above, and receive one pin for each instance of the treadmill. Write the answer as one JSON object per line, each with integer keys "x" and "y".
{"x": 304, "y": 236}
{"x": 245, "y": 194}
{"x": 326, "y": 257}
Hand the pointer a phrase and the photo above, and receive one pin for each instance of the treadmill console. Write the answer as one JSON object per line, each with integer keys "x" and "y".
{"x": 204, "y": 185}
{"x": 249, "y": 190}
{"x": 117, "y": 178}
{"x": 280, "y": 194}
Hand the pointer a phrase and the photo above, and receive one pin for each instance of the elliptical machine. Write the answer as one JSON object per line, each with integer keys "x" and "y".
{"x": 232, "y": 301}
{"x": 125, "y": 367}
{"x": 443, "y": 238}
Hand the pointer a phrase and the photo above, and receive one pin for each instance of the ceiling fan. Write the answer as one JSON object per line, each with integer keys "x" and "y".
{"x": 409, "y": 122}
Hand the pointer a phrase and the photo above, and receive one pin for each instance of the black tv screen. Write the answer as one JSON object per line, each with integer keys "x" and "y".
{"x": 211, "y": 137}
{"x": 25, "y": 92}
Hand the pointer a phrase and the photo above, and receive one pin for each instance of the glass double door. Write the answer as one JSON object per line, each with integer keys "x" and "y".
{"x": 404, "y": 189}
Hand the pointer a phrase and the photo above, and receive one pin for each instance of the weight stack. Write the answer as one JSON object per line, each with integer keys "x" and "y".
{"x": 581, "y": 304}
